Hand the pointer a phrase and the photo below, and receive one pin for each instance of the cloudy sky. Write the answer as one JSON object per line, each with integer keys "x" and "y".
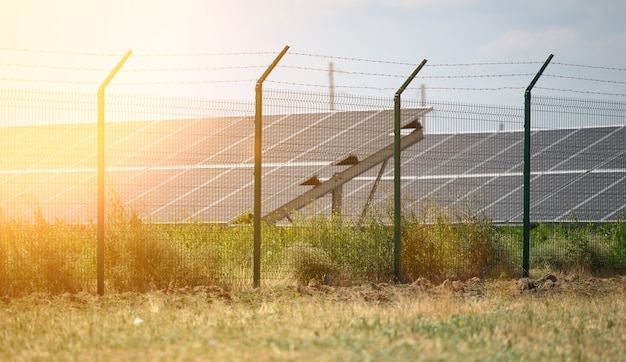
{"x": 399, "y": 31}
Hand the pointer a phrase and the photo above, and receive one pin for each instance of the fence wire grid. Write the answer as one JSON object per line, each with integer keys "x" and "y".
{"x": 180, "y": 180}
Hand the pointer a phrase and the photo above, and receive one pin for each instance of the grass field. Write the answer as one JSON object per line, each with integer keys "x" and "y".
{"x": 499, "y": 320}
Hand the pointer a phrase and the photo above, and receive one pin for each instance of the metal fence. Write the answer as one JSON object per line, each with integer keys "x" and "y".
{"x": 179, "y": 175}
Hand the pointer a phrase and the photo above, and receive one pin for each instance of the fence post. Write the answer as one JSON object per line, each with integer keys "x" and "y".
{"x": 397, "y": 202}
{"x": 526, "y": 242}
{"x": 101, "y": 193}
{"x": 258, "y": 148}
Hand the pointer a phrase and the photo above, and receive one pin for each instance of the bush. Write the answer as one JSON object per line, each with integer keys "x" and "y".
{"x": 356, "y": 252}
{"x": 582, "y": 248}
{"x": 308, "y": 262}
{"x": 450, "y": 243}
{"x": 141, "y": 257}
{"x": 41, "y": 256}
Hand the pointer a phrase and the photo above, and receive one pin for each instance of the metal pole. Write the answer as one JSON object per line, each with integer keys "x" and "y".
{"x": 101, "y": 193}
{"x": 526, "y": 242}
{"x": 258, "y": 148}
{"x": 397, "y": 202}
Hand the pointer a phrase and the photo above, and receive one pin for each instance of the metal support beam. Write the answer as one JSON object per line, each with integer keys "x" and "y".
{"x": 370, "y": 197}
{"x": 342, "y": 177}
{"x": 397, "y": 242}
{"x": 101, "y": 171}
{"x": 258, "y": 148}
{"x": 526, "y": 241}
{"x": 337, "y": 202}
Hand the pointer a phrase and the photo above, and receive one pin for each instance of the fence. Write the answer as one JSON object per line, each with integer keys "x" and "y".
{"x": 180, "y": 186}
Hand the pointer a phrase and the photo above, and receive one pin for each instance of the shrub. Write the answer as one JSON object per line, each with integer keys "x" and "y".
{"x": 308, "y": 262}
{"x": 450, "y": 244}
{"x": 575, "y": 247}
{"x": 357, "y": 252}
{"x": 41, "y": 256}
{"x": 141, "y": 257}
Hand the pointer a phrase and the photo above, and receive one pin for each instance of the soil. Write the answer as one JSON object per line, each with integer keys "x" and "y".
{"x": 547, "y": 284}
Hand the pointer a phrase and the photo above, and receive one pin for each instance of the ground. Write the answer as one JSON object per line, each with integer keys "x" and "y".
{"x": 545, "y": 317}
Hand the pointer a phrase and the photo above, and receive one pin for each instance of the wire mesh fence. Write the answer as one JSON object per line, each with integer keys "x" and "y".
{"x": 179, "y": 174}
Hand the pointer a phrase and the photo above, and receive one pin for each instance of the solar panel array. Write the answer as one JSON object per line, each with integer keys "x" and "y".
{"x": 200, "y": 169}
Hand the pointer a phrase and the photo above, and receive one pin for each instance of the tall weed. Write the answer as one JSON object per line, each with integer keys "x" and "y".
{"x": 142, "y": 257}
{"x": 450, "y": 243}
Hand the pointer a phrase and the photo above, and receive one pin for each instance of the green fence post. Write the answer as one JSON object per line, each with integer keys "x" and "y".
{"x": 397, "y": 202}
{"x": 526, "y": 243}
{"x": 101, "y": 193}
{"x": 258, "y": 149}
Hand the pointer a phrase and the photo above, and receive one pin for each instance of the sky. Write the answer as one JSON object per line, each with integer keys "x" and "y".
{"x": 48, "y": 44}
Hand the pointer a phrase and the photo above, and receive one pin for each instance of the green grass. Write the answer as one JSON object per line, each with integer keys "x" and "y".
{"x": 580, "y": 247}
{"x": 378, "y": 322}
{"x": 55, "y": 257}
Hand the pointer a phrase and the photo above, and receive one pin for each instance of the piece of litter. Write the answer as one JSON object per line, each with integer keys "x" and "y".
{"x": 137, "y": 321}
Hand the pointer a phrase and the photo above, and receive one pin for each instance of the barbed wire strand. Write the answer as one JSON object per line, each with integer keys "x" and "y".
{"x": 53, "y": 67}
{"x": 218, "y": 54}
{"x": 413, "y": 64}
{"x": 392, "y": 88}
{"x": 404, "y": 75}
{"x": 48, "y": 81}
{"x": 186, "y": 82}
{"x": 135, "y": 54}
{"x": 585, "y": 92}
{"x": 60, "y": 52}
{"x": 590, "y": 66}
{"x": 197, "y": 69}
{"x": 584, "y": 79}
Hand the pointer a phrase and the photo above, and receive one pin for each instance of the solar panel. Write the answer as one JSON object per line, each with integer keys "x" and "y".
{"x": 201, "y": 169}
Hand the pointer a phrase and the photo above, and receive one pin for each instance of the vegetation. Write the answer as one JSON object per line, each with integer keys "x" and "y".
{"x": 571, "y": 246}
{"x": 453, "y": 244}
{"x": 368, "y": 322}
{"x": 438, "y": 244}
{"x": 183, "y": 291}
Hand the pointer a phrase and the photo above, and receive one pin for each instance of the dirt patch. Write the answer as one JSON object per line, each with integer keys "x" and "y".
{"x": 371, "y": 293}
{"x": 548, "y": 284}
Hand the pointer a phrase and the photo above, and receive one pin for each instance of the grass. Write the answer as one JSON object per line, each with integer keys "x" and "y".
{"x": 181, "y": 292}
{"x": 55, "y": 257}
{"x": 377, "y": 322}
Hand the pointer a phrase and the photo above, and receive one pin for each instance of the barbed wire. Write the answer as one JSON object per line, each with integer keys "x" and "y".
{"x": 413, "y": 64}
{"x": 48, "y": 81}
{"x": 197, "y": 69}
{"x": 579, "y": 91}
{"x": 395, "y": 88}
{"x": 326, "y": 86}
{"x": 54, "y": 67}
{"x": 350, "y": 59}
{"x": 217, "y": 54}
{"x": 477, "y": 88}
{"x": 305, "y": 68}
{"x": 477, "y": 76}
{"x": 404, "y": 75}
{"x": 584, "y": 79}
{"x": 127, "y": 83}
{"x": 59, "y": 52}
{"x": 135, "y": 54}
{"x": 590, "y": 66}
{"x": 186, "y": 82}
{"x": 476, "y": 64}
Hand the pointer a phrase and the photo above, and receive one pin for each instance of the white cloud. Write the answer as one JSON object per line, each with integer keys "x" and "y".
{"x": 530, "y": 43}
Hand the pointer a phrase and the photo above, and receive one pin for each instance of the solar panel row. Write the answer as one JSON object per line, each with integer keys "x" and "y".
{"x": 201, "y": 169}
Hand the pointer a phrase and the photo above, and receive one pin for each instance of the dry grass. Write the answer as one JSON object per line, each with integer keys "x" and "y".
{"x": 580, "y": 320}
